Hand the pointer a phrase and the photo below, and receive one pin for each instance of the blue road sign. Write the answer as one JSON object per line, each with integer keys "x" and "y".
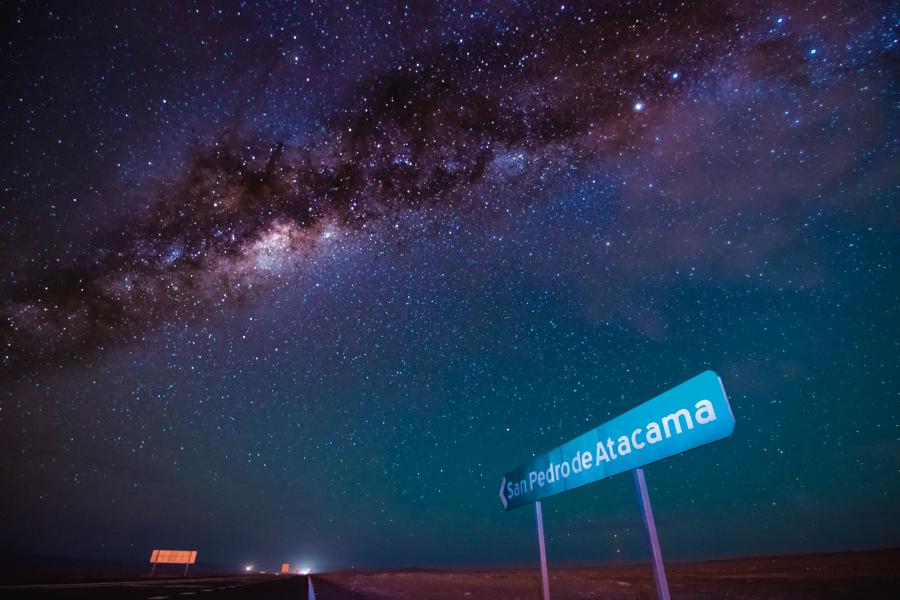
{"x": 690, "y": 415}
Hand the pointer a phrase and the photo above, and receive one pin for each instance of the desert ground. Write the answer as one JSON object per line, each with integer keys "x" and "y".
{"x": 870, "y": 574}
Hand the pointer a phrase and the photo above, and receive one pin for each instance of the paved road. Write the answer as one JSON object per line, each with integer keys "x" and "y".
{"x": 255, "y": 587}
{"x": 325, "y": 590}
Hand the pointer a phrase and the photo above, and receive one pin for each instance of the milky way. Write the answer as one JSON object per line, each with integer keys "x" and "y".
{"x": 554, "y": 94}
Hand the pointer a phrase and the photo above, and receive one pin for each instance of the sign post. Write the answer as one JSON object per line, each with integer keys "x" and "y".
{"x": 173, "y": 557}
{"x": 545, "y": 581}
{"x": 690, "y": 415}
{"x": 659, "y": 570}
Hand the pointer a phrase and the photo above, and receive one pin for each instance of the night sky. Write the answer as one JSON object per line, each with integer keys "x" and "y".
{"x": 300, "y": 282}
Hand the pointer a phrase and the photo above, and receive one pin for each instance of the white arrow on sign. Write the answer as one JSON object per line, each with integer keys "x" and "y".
{"x": 502, "y": 497}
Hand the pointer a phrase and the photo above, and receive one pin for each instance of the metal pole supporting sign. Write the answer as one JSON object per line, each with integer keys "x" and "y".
{"x": 659, "y": 570}
{"x": 540, "y": 529}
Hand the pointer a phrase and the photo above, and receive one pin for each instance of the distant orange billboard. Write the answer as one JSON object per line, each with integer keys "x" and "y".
{"x": 285, "y": 567}
{"x": 174, "y": 557}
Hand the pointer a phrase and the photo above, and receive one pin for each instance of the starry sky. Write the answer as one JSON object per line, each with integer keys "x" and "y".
{"x": 300, "y": 281}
